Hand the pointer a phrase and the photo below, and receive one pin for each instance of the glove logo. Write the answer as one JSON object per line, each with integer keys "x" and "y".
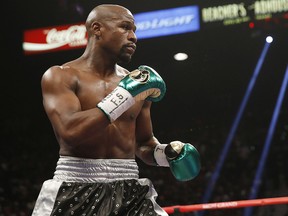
{"x": 140, "y": 76}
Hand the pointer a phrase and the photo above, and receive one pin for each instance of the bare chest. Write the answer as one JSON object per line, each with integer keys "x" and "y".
{"x": 91, "y": 91}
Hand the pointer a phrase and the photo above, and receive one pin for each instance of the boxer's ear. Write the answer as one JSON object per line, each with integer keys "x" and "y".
{"x": 96, "y": 28}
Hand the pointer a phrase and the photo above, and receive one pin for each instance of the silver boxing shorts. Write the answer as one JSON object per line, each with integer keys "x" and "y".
{"x": 97, "y": 187}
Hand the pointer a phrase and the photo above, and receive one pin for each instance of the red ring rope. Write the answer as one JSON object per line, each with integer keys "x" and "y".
{"x": 225, "y": 205}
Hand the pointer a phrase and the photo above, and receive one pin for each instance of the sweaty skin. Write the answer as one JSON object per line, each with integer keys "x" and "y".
{"x": 72, "y": 91}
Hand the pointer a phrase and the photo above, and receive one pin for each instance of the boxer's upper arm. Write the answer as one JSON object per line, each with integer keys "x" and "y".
{"x": 59, "y": 99}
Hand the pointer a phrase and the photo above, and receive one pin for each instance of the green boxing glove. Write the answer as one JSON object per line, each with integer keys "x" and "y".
{"x": 182, "y": 158}
{"x": 143, "y": 83}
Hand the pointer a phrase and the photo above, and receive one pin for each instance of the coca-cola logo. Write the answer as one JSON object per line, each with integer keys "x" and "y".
{"x": 74, "y": 36}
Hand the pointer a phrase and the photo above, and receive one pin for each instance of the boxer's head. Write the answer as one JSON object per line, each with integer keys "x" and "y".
{"x": 113, "y": 28}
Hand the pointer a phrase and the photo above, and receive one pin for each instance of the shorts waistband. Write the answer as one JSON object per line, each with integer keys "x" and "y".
{"x": 76, "y": 169}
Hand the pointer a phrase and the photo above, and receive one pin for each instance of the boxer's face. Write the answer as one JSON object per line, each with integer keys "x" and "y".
{"x": 119, "y": 35}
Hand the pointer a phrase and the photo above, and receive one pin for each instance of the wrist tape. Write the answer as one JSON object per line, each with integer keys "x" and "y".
{"x": 160, "y": 156}
{"x": 116, "y": 103}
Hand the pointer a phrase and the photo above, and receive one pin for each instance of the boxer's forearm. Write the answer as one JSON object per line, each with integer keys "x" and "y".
{"x": 145, "y": 153}
{"x": 145, "y": 150}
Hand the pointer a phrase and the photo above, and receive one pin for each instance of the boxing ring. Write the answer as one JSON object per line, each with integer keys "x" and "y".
{"x": 226, "y": 205}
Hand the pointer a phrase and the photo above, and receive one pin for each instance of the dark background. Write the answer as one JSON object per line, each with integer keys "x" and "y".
{"x": 203, "y": 97}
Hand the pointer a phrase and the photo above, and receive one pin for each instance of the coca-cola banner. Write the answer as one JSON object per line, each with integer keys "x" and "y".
{"x": 54, "y": 38}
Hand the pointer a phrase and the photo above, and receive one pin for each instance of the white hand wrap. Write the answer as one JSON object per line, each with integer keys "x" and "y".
{"x": 116, "y": 103}
{"x": 160, "y": 155}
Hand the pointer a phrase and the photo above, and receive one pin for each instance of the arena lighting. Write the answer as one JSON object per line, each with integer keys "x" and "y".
{"x": 265, "y": 151}
{"x": 180, "y": 56}
{"x": 269, "y": 39}
{"x": 251, "y": 25}
{"x": 223, "y": 154}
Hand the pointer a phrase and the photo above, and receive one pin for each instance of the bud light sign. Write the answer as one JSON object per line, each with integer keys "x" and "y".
{"x": 167, "y": 22}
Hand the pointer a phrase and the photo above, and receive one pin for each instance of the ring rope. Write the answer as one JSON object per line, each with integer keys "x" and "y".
{"x": 226, "y": 205}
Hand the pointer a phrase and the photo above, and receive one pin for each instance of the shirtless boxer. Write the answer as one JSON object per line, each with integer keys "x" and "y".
{"x": 100, "y": 113}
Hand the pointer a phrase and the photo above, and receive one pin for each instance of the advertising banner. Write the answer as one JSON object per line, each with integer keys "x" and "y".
{"x": 54, "y": 38}
{"x": 164, "y": 22}
{"x": 167, "y": 22}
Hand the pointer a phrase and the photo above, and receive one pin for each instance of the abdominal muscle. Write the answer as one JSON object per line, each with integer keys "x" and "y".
{"x": 117, "y": 141}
